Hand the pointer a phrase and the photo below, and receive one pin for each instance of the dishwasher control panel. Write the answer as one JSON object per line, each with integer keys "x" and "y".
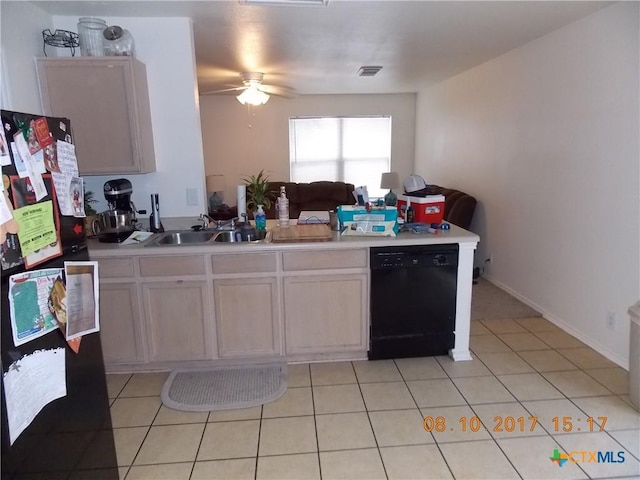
{"x": 427, "y": 256}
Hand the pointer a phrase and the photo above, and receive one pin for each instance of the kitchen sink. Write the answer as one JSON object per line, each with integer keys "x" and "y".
{"x": 190, "y": 237}
{"x": 184, "y": 238}
{"x": 226, "y": 236}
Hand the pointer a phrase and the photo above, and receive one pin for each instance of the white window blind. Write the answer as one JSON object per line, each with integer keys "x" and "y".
{"x": 350, "y": 149}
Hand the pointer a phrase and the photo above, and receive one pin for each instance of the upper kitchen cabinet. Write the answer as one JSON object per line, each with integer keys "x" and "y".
{"x": 107, "y": 100}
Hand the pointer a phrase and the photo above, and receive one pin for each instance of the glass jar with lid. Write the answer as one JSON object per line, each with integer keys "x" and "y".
{"x": 118, "y": 41}
{"x": 91, "y": 39}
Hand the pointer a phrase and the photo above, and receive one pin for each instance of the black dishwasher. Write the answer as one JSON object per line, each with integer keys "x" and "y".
{"x": 413, "y": 300}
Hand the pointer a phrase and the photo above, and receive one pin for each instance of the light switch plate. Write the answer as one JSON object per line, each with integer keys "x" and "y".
{"x": 192, "y": 197}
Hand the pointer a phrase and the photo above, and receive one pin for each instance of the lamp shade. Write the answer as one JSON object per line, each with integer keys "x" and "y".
{"x": 253, "y": 96}
{"x": 215, "y": 183}
{"x": 390, "y": 180}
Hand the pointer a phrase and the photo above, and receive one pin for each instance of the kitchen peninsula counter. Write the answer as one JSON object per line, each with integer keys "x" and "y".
{"x": 164, "y": 306}
{"x": 454, "y": 235}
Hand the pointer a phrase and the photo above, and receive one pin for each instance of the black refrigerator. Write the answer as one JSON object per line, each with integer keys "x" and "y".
{"x": 71, "y": 437}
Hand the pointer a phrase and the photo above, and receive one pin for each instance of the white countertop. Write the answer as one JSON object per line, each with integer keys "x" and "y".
{"x": 454, "y": 235}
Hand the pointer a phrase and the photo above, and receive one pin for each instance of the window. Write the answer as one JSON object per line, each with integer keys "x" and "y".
{"x": 350, "y": 149}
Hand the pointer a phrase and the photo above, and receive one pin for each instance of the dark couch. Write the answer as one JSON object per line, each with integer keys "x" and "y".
{"x": 458, "y": 207}
{"x": 324, "y": 195}
{"x": 311, "y": 196}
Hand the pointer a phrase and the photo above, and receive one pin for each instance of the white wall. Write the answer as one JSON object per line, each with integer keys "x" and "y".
{"x": 546, "y": 137}
{"x": 239, "y": 143}
{"x": 21, "y": 40}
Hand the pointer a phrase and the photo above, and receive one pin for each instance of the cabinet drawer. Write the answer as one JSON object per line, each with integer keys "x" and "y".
{"x": 326, "y": 259}
{"x": 172, "y": 265}
{"x": 116, "y": 267}
{"x": 246, "y": 263}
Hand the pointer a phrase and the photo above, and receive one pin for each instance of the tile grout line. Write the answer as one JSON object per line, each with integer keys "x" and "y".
{"x": 435, "y": 442}
{"x": 146, "y": 435}
{"x": 315, "y": 422}
{"x": 255, "y": 468}
{"x": 204, "y": 430}
{"x": 366, "y": 409}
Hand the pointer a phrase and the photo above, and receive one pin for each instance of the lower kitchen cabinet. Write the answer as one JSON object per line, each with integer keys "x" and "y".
{"x": 163, "y": 307}
{"x": 247, "y": 317}
{"x": 325, "y": 313}
{"x": 176, "y": 320}
{"x": 120, "y": 325}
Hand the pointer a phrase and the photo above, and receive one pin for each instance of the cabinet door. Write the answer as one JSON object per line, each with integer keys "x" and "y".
{"x": 325, "y": 313}
{"x": 175, "y": 313}
{"x": 120, "y": 323}
{"x": 107, "y": 101}
{"x": 247, "y": 317}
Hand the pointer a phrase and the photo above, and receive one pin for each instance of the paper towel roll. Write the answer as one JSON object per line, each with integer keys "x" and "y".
{"x": 242, "y": 200}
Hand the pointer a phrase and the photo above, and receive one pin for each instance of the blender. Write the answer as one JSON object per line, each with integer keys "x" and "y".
{"x": 119, "y": 221}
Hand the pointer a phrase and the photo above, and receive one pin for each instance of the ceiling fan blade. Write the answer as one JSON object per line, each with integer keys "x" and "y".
{"x": 224, "y": 90}
{"x": 278, "y": 91}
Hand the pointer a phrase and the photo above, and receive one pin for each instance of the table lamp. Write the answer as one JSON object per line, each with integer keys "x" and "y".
{"x": 390, "y": 180}
{"x": 215, "y": 189}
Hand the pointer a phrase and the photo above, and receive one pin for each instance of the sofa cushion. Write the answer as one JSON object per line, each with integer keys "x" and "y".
{"x": 459, "y": 206}
{"x": 323, "y": 195}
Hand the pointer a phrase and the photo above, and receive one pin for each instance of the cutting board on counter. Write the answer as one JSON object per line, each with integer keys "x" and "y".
{"x": 301, "y": 233}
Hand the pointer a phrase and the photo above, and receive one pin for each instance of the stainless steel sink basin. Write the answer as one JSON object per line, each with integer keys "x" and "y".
{"x": 182, "y": 238}
{"x": 226, "y": 236}
{"x": 203, "y": 237}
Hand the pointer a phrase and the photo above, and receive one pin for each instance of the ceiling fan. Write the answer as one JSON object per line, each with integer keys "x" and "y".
{"x": 253, "y": 91}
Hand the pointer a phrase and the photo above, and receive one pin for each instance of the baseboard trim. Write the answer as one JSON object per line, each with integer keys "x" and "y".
{"x": 614, "y": 357}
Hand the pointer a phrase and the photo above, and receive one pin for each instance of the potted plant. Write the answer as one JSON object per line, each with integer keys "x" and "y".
{"x": 90, "y": 212}
{"x": 89, "y": 201}
{"x": 258, "y": 191}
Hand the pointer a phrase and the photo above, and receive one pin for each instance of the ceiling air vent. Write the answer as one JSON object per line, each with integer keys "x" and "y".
{"x": 369, "y": 71}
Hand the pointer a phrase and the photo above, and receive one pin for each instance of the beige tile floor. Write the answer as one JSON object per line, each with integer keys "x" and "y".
{"x": 364, "y": 420}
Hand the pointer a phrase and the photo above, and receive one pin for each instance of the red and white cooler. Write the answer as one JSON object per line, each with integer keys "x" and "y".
{"x": 429, "y": 209}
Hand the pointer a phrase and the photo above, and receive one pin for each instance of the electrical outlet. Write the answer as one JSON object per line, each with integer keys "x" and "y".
{"x": 192, "y": 197}
{"x": 611, "y": 320}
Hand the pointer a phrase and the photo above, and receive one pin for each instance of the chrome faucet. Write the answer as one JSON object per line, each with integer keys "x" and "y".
{"x": 219, "y": 224}
{"x": 231, "y": 224}
{"x": 205, "y": 219}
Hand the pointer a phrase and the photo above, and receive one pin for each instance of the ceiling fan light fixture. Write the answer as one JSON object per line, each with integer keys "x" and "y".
{"x": 253, "y": 96}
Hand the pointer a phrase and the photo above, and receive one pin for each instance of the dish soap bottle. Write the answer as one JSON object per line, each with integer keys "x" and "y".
{"x": 283, "y": 208}
{"x": 261, "y": 219}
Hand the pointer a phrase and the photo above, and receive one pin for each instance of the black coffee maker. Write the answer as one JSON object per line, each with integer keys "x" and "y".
{"x": 117, "y": 223}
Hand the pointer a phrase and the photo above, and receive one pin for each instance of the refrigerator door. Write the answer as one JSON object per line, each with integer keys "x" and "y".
{"x": 71, "y": 437}
{"x": 71, "y": 229}
{"x": 71, "y": 433}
